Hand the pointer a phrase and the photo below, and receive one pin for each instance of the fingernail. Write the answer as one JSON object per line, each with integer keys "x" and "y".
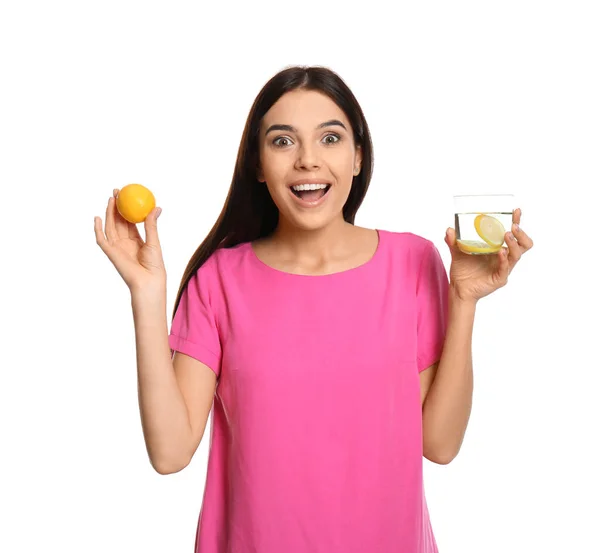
{"x": 512, "y": 236}
{"x": 159, "y": 211}
{"x": 516, "y": 227}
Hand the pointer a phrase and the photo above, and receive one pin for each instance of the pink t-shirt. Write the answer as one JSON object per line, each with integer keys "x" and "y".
{"x": 316, "y": 439}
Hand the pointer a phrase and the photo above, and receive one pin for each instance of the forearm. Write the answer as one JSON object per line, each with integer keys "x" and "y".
{"x": 448, "y": 404}
{"x": 164, "y": 415}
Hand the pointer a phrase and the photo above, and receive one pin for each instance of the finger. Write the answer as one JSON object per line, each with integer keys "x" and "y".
{"x": 524, "y": 241}
{"x": 450, "y": 240}
{"x": 101, "y": 239}
{"x": 116, "y": 256}
{"x": 501, "y": 274}
{"x": 110, "y": 227}
{"x": 151, "y": 228}
{"x": 514, "y": 250}
{"x": 516, "y": 216}
{"x": 133, "y": 232}
{"x": 451, "y": 237}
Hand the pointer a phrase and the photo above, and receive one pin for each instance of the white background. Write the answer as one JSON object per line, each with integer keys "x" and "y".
{"x": 460, "y": 97}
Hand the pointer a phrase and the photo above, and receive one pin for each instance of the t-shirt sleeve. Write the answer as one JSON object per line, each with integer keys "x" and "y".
{"x": 432, "y": 307}
{"x": 194, "y": 329}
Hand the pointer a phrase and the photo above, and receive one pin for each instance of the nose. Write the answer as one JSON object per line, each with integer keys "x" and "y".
{"x": 308, "y": 157}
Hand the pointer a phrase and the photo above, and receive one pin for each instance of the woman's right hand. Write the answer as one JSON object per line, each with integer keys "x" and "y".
{"x": 139, "y": 263}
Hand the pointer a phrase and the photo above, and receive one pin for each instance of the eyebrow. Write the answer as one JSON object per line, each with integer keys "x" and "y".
{"x": 330, "y": 123}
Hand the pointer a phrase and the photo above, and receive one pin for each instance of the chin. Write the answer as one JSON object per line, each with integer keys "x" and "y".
{"x": 305, "y": 223}
{"x": 311, "y": 221}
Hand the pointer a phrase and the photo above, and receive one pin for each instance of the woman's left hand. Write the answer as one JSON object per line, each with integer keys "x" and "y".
{"x": 473, "y": 277}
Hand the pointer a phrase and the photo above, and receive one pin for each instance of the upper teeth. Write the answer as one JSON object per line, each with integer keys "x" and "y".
{"x": 300, "y": 187}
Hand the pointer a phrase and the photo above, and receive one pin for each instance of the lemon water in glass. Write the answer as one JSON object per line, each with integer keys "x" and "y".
{"x": 481, "y": 221}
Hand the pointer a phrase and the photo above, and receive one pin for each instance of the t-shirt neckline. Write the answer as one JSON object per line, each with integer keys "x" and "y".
{"x": 364, "y": 266}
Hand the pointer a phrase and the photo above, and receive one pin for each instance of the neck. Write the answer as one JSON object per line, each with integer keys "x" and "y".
{"x": 322, "y": 243}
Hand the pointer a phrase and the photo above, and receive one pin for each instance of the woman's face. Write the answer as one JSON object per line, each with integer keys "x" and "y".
{"x": 306, "y": 139}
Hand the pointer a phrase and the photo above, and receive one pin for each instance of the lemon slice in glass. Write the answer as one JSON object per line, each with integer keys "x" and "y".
{"x": 473, "y": 246}
{"x": 490, "y": 230}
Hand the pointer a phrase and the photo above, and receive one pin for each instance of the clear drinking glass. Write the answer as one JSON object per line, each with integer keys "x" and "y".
{"x": 481, "y": 221}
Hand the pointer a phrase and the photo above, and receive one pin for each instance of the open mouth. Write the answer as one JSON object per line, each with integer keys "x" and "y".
{"x": 310, "y": 192}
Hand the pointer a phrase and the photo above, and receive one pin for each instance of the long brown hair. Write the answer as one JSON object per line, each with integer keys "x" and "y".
{"x": 249, "y": 212}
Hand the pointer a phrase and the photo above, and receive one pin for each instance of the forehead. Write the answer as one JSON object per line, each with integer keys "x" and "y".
{"x": 303, "y": 109}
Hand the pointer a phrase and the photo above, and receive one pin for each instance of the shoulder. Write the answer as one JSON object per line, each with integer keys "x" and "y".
{"x": 411, "y": 255}
{"x": 224, "y": 268}
{"x": 208, "y": 282}
{"x": 408, "y": 243}
{"x": 224, "y": 260}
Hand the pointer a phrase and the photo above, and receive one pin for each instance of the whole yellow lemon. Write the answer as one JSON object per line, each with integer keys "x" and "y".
{"x": 135, "y": 202}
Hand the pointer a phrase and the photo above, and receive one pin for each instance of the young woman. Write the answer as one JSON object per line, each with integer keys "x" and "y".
{"x": 334, "y": 356}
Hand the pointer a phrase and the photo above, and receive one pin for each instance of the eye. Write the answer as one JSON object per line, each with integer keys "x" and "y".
{"x": 279, "y": 138}
{"x": 334, "y": 135}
